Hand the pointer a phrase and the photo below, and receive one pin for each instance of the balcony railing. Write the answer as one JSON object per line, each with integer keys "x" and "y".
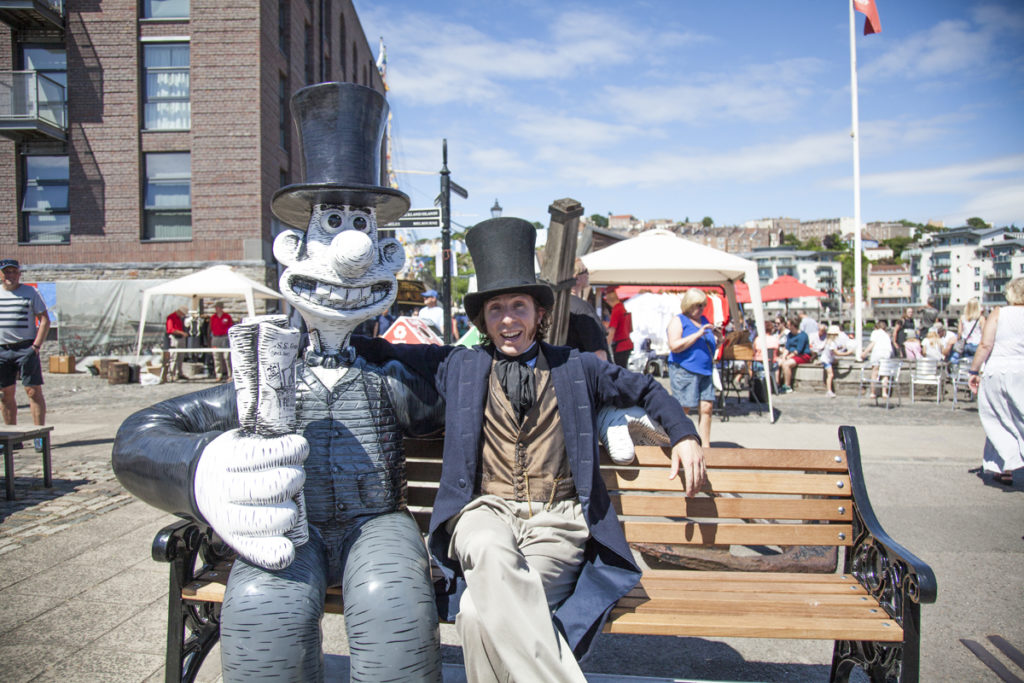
{"x": 33, "y": 14}
{"x": 32, "y": 105}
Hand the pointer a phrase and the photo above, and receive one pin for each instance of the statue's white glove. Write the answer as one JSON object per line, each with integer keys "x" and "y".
{"x": 622, "y": 428}
{"x": 249, "y": 488}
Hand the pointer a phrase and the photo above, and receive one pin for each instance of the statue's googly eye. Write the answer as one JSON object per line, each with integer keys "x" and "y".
{"x": 360, "y": 223}
{"x": 331, "y": 220}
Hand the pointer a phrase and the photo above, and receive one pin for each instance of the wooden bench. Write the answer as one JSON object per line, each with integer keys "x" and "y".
{"x": 769, "y": 503}
{"x": 11, "y": 435}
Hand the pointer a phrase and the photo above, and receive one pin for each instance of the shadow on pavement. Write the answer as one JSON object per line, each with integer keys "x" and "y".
{"x": 29, "y": 492}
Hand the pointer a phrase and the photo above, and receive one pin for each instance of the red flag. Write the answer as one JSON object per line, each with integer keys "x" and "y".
{"x": 872, "y": 24}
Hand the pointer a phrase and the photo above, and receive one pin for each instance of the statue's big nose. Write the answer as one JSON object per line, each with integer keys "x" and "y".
{"x": 352, "y": 253}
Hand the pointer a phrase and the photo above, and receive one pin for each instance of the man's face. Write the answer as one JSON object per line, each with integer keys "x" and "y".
{"x": 430, "y": 301}
{"x": 12, "y": 277}
{"x": 511, "y": 321}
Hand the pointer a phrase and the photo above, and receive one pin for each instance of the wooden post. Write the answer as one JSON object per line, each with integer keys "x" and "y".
{"x": 559, "y": 258}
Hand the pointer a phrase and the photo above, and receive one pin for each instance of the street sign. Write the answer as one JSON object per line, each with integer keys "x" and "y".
{"x": 418, "y": 218}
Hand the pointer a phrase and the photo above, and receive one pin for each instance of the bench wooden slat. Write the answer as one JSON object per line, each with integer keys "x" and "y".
{"x": 691, "y": 533}
{"x": 713, "y": 605}
{"x": 745, "y": 458}
{"x": 684, "y": 597}
{"x": 758, "y": 626}
{"x": 637, "y": 504}
{"x": 748, "y": 582}
{"x": 657, "y": 576}
{"x": 734, "y": 482}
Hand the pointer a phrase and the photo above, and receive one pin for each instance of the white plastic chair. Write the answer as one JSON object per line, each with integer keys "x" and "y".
{"x": 928, "y": 373}
{"x": 888, "y": 381}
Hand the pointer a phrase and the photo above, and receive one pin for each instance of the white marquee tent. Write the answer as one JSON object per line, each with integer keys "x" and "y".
{"x": 659, "y": 257}
{"x": 216, "y": 281}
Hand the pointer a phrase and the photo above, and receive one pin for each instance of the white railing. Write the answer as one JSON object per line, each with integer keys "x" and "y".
{"x": 30, "y": 95}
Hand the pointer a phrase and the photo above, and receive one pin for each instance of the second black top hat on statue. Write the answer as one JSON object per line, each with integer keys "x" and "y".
{"x": 341, "y": 130}
{"x": 503, "y": 255}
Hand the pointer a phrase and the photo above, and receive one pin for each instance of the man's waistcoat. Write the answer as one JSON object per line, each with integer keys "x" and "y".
{"x": 527, "y": 461}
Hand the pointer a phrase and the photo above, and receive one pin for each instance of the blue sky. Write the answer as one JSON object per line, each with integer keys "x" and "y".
{"x": 732, "y": 109}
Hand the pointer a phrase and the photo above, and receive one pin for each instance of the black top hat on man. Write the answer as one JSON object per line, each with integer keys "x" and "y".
{"x": 503, "y": 255}
{"x": 341, "y": 128}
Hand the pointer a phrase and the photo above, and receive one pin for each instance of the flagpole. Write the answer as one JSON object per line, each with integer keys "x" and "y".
{"x": 858, "y": 298}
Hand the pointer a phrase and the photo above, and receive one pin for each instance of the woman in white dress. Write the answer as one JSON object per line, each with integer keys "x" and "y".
{"x": 1001, "y": 399}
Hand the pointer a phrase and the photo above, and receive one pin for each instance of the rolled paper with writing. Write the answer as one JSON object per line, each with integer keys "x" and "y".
{"x": 264, "y": 353}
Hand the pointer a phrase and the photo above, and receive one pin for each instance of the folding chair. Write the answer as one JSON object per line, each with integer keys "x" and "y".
{"x": 927, "y": 371}
{"x": 958, "y": 376}
{"x": 888, "y": 380}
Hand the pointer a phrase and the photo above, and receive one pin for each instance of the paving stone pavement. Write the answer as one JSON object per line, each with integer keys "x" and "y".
{"x": 81, "y": 600}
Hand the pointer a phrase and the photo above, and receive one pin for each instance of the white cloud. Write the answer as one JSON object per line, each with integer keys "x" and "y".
{"x": 756, "y": 93}
{"x": 951, "y": 47}
{"x": 954, "y": 179}
{"x": 435, "y": 61}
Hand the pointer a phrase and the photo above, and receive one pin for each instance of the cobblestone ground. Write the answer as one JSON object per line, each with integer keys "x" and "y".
{"x": 85, "y": 412}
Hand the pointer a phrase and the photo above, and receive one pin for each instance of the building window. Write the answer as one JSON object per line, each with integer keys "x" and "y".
{"x": 283, "y": 26}
{"x": 310, "y": 73}
{"x": 355, "y": 64}
{"x": 168, "y": 196}
{"x": 165, "y": 9}
{"x": 167, "y": 105}
{"x": 341, "y": 47}
{"x": 44, "y": 204}
{"x": 284, "y": 129}
{"x": 977, "y": 286}
{"x": 51, "y": 64}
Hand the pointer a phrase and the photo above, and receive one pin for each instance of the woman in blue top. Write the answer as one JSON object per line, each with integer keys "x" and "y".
{"x": 692, "y": 341}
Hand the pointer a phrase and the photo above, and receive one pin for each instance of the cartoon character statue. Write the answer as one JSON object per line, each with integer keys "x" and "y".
{"x": 344, "y": 458}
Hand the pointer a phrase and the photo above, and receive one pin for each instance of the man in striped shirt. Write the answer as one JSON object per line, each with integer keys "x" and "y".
{"x": 24, "y": 325}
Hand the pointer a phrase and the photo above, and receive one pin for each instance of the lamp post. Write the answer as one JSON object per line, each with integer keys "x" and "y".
{"x": 496, "y": 209}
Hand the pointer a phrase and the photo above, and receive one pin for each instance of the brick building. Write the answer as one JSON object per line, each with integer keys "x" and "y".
{"x": 145, "y": 138}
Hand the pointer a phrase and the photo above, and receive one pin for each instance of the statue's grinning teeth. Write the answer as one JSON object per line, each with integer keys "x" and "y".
{"x": 339, "y": 297}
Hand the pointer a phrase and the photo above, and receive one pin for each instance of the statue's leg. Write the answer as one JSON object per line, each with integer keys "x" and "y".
{"x": 390, "y": 614}
{"x": 270, "y": 623}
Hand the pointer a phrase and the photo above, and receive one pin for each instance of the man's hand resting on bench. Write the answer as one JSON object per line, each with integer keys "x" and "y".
{"x": 688, "y": 456}
{"x": 249, "y": 488}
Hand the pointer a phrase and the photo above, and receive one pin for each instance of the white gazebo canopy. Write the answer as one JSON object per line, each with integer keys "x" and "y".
{"x": 216, "y": 281}
{"x": 659, "y": 257}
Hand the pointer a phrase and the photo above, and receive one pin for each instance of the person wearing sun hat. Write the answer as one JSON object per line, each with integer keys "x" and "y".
{"x": 523, "y": 530}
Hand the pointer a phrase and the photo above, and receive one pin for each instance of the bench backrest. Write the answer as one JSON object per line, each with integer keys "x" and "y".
{"x": 755, "y": 497}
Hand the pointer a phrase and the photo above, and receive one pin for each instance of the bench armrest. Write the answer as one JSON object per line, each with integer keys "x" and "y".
{"x": 888, "y": 570}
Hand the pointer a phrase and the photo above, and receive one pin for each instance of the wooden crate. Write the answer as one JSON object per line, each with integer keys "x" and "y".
{"x": 119, "y": 373}
{"x": 62, "y": 364}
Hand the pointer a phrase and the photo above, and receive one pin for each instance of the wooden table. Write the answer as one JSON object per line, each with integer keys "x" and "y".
{"x": 12, "y": 434}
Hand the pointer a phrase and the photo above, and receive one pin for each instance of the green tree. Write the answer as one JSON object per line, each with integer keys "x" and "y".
{"x": 834, "y": 242}
{"x": 846, "y": 259}
{"x": 599, "y": 220}
{"x": 977, "y": 223}
{"x": 791, "y": 240}
{"x": 898, "y": 244}
{"x": 812, "y": 244}
{"x": 538, "y": 225}
{"x": 707, "y": 221}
